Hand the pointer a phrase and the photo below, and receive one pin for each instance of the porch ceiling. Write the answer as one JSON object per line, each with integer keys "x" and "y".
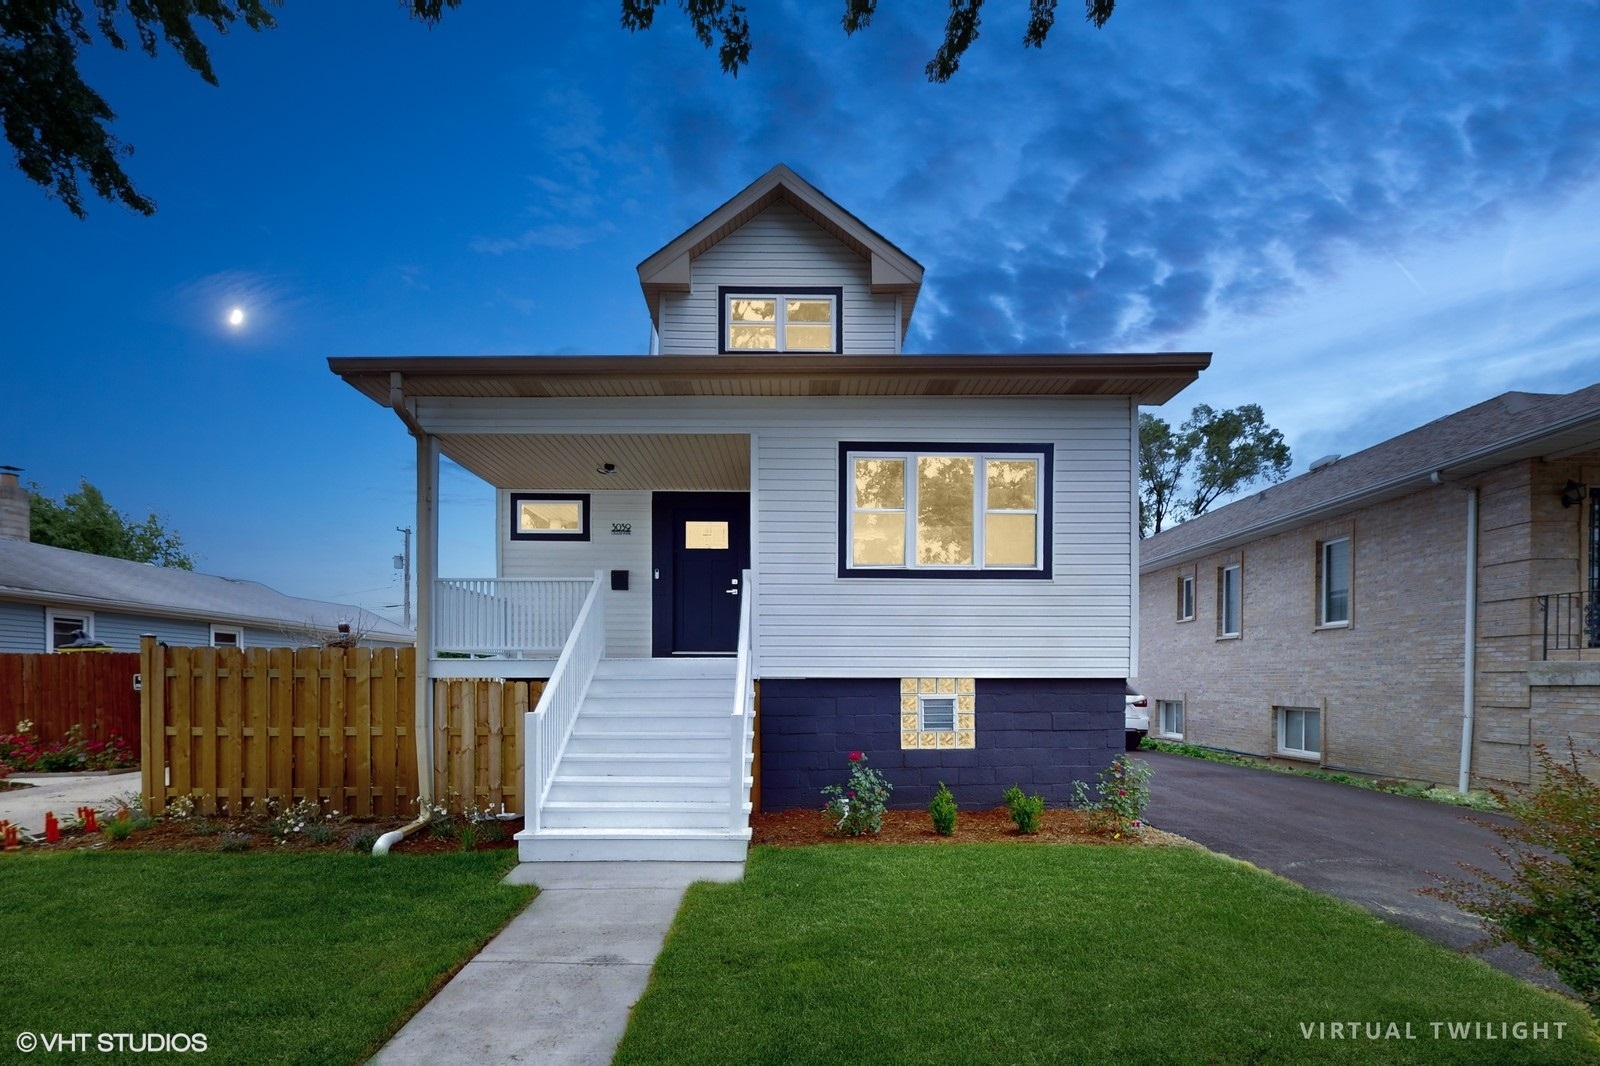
{"x": 690, "y": 462}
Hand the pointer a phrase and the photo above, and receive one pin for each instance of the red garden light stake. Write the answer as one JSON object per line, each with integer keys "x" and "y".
{"x": 12, "y": 838}
{"x": 52, "y": 828}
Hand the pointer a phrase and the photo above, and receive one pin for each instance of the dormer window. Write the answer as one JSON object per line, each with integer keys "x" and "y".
{"x": 780, "y": 320}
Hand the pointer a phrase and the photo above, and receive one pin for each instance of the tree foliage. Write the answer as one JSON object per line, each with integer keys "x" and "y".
{"x": 83, "y": 521}
{"x": 56, "y": 123}
{"x": 1213, "y": 454}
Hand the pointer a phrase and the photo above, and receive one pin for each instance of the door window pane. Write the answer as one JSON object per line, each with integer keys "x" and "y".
{"x": 705, "y": 535}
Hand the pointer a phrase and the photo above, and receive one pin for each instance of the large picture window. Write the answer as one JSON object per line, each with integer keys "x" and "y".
{"x": 780, "y": 320}
{"x": 549, "y": 516}
{"x": 930, "y": 510}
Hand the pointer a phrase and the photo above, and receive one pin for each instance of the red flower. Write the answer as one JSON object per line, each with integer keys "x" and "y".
{"x": 856, "y": 756}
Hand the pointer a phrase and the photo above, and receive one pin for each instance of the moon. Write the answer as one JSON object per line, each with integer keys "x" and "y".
{"x": 236, "y": 317}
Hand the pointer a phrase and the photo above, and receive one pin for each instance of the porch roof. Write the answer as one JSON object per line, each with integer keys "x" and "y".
{"x": 1151, "y": 378}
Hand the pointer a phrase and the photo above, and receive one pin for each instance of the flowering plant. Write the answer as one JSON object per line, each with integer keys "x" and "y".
{"x": 24, "y": 753}
{"x": 1124, "y": 792}
{"x": 857, "y": 806}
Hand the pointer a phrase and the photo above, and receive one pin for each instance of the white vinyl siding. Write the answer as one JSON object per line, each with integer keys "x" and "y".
{"x": 122, "y": 631}
{"x": 627, "y": 613}
{"x": 778, "y": 248}
{"x": 811, "y": 622}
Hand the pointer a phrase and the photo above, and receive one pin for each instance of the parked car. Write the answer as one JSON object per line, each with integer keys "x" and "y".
{"x": 1136, "y": 719}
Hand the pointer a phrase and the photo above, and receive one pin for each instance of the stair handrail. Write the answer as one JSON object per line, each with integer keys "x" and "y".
{"x": 549, "y": 724}
{"x": 743, "y": 722}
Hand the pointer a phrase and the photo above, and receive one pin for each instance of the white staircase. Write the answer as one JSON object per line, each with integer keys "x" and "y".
{"x": 647, "y": 772}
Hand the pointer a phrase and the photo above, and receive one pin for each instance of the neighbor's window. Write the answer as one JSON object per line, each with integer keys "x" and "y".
{"x": 63, "y": 627}
{"x": 227, "y": 637}
{"x": 1228, "y": 601}
{"x": 1300, "y": 731}
{"x": 780, "y": 321}
{"x": 549, "y": 517}
{"x": 1169, "y": 717}
{"x": 1186, "y": 598}
{"x": 944, "y": 511}
{"x": 1334, "y": 600}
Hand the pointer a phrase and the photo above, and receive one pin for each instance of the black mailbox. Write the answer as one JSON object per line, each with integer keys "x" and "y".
{"x": 619, "y": 581}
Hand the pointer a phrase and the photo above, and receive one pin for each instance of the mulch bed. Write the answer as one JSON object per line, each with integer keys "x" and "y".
{"x": 798, "y": 828}
{"x": 218, "y": 834}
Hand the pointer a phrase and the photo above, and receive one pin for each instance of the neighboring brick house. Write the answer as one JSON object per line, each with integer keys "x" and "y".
{"x": 1326, "y": 618}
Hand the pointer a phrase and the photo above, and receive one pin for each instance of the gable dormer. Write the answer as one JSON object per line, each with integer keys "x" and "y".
{"x": 780, "y": 268}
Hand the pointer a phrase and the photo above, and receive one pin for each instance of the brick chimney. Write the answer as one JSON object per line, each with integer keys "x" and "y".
{"x": 14, "y": 507}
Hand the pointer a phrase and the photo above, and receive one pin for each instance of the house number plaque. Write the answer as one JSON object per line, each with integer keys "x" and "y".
{"x": 622, "y": 529}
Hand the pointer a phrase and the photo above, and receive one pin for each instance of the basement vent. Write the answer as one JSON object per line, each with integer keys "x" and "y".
{"x": 938, "y": 712}
{"x": 1326, "y": 460}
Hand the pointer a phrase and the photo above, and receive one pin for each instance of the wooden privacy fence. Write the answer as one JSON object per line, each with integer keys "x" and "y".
{"x": 478, "y": 745}
{"x": 59, "y": 690}
{"x": 237, "y": 727}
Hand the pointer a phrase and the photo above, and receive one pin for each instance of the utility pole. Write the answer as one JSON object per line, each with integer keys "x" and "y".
{"x": 403, "y": 562}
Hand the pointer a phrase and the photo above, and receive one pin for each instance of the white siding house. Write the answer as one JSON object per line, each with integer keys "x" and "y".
{"x": 930, "y": 559}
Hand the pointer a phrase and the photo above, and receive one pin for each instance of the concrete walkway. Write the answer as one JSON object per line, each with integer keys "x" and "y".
{"x": 556, "y": 986}
{"x": 61, "y": 793}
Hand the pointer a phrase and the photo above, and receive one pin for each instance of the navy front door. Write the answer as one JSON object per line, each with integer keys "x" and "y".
{"x": 700, "y": 546}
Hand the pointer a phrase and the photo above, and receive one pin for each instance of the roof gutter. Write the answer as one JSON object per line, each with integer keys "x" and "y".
{"x": 397, "y": 400}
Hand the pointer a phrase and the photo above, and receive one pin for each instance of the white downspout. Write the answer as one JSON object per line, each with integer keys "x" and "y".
{"x": 1469, "y": 670}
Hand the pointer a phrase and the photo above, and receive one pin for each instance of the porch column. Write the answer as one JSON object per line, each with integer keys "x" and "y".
{"x": 427, "y": 567}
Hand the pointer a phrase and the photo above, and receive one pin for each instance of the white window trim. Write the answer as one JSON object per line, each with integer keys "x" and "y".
{"x": 238, "y": 636}
{"x": 1283, "y": 732}
{"x": 780, "y": 320}
{"x": 1322, "y": 584}
{"x": 1186, "y": 597}
{"x": 1161, "y": 718}
{"x": 52, "y": 613}
{"x": 1223, "y": 632}
{"x": 979, "y": 510}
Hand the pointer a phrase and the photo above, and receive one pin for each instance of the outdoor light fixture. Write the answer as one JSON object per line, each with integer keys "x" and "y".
{"x": 606, "y": 469}
{"x": 1573, "y": 494}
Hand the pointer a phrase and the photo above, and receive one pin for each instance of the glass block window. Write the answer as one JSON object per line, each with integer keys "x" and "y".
{"x": 938, "y": 712}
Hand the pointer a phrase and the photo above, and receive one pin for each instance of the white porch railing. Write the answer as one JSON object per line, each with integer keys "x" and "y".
{"x": 500, "y": 616}
{"x": 742, "y": 724}
{"x": 549, "y": 724}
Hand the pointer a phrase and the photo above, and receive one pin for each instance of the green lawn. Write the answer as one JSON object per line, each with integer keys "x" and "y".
{"x": 294, "y": 958}
{"x": 1001, "y": 954}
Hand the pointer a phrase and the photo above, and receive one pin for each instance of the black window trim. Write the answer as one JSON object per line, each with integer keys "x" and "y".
{"x": 1044, "y": 572}
{"x": 581, "y": 497}
{"x": 725, "y": 291}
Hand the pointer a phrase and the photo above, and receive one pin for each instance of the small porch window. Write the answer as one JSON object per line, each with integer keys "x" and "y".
{"x": 549, "y": 516}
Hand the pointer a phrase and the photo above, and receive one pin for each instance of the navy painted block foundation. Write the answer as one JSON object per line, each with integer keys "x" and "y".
{"x": 1040, "y": 733}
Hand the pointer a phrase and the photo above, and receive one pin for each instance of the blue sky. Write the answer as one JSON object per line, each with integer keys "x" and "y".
{"x": 1373, "y": 214}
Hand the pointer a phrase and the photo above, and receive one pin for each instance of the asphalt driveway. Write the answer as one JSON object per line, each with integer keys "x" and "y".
{"x": 1371, "y": 848}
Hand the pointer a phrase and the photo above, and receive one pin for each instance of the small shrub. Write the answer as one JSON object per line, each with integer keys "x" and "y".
{"x": 942, "y": 809}
{"x": 1025, "y": 810}
{"x": 361, "y": 838}
{"x": 467, "y": 835}
{"x": 118, "y": 829}
{"x": 1550, "y": 906}
{"x": 320, "y": 832}
{"x": 1122, "y": 792}
{"x": 857, "y": 806}
{"x": 232, "y": 841}
{"x": 287, "y": 823}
